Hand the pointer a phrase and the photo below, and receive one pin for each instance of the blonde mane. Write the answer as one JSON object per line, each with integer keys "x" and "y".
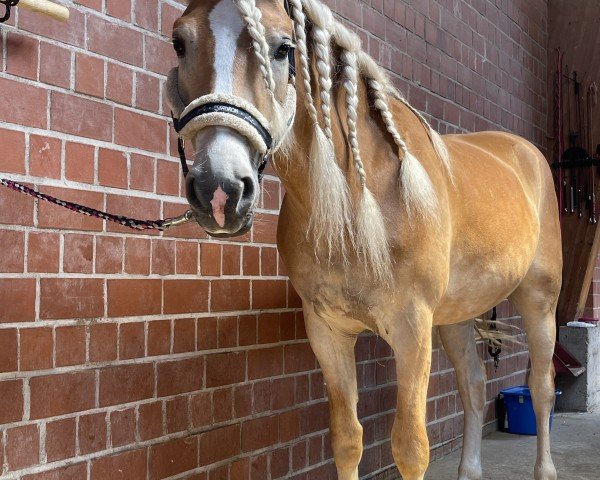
{"x": 334, "y": 219}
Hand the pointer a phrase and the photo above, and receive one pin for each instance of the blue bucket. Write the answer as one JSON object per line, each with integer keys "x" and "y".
{"x": 519, "y": 410}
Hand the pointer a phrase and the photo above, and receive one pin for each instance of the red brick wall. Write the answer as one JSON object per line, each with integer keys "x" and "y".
{"x": 140, "y": 356}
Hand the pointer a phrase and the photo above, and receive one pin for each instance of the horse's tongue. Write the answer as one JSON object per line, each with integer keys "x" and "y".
{"x": 218, "y": 205}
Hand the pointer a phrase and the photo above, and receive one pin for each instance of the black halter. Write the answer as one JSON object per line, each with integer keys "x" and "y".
{"x": 221, "y": 107}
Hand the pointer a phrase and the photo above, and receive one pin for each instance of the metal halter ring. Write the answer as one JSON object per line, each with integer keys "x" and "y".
{"x": 8, "y": 4}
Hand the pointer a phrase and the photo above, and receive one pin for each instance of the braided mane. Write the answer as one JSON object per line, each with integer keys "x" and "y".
{"x": 332, "y": 218}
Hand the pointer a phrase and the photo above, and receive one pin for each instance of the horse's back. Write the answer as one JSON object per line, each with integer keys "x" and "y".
{"x": 502, "y": 200}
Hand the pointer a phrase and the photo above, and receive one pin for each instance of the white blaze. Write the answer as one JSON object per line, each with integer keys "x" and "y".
{"x": 227, "y": 26}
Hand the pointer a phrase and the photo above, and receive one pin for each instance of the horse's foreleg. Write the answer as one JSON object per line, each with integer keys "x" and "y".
{"x": 410, "y": 338}
{"x": 335, "y": 352}
{"x": 459, "y": 344}
{"x": 540, "y": 324}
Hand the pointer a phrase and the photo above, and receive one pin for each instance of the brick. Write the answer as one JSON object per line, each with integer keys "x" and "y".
{"x": 231, "y": 259}
{"x": 119, "y": 82}
{"x": 228, "y": 332}
{"x": 210, "y": 259}
{"x": 45, "y": 156}
{"x": 23, "y": 108}
{"x": 122, "y": 427}
{"x": 133, "y": 297}
{"x": 222, "y": 405}
{"x": 259, "y": 433}
{"x": 70, "y": 346}
{"x": 168, "y": 16}
{"x": 103, "y": 342}
{"x": 150, "y": 420}
{"x": 185, "y": 296}
{"x": 137, "y": 256}
{"x": 14, "y": 242}
{"x": 225, "y": 369}
{"x": 119, "y": 8}
{"x": 219, "y": 444}
{"x": 147, "y": 92}
{"x": 131, "y": 340}
{"x": 78, "y": 253}
{"x": 146, "y": 14}
{"x": 12, "y": 151}
{"x": 60, "y": 439}
{"x": 268, "y": 328}
{"x": 177, "y": 414}
{"x": 186, "y": 258}
{"x": 59, "y": 394}
{"x": 207, "y": 334}
{"x": 167, "y": 178}
{"x": 142, "y": 173}
{"x": 140, "y": 131}
{"x": 43, "y": 252}
{"x": 163, "y": 257}
{"x": 17, "y": 295}
{"x": 201, "y": 407}
{"x": 112, "y": 168}
{"x": 71, "y": 298}
{"x": 180, "y": 376}
{"x": 15, "y": 208}
{"x": 159, "y": 338}
{"x": 11, "y": 399}
{"x": 109, "y": 255}
{"x": 268, "y": 262}
{"x": 265, "y": 362}
{"x": 70, "y": 472}
{"x": 108, "y": 40}
{"x": 251, "y": 261}
{"x": 79, "y": 162}
{"x": 89, "y": 75}
{"x": 81, "y": 117}
{"x": 129, "y": 465}
{"x": 92, "y": 433}
{"x": 22, "y": 55}
{"x": 268, "y": 294}
{"x": 184, "y": 335}
{"x": 55, "y": 65}
{"x": 53, "y": 216}
{"x": 173, "y": 457}
{"x": 36, "y": 346}
{"x": 125, "y": 384}
{"x": 230, "y": 295}
{"x": 265, "y": 229}
{"x": 22, "y": 447}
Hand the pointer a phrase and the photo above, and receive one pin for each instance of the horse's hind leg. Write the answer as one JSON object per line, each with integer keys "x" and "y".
{"x": 536, "y": 301}
{"x": 459, "y": 344}
{"x": 334, "y": 350}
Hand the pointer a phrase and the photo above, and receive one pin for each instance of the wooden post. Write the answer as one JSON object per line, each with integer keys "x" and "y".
{"x": 53, "y": 10}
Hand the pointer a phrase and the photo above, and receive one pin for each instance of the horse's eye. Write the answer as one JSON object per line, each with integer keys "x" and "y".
{"x": 179, "y": 47}
{"x": 283, "y": 51}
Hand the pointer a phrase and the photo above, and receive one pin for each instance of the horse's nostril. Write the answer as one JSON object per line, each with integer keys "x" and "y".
{"x": 247, "y": 189}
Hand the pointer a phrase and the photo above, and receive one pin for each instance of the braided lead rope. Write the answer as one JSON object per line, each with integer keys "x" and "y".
{"x": 132, "y": 223}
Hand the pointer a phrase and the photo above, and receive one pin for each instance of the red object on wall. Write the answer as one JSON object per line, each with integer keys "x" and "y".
{"x": 159, "y": 355}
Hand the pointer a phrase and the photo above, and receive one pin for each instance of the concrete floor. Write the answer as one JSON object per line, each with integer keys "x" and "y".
{"x": 575, "y": 450}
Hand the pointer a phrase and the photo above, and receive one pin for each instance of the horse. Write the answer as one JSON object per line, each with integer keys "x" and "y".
{"x": 386, "y": 226}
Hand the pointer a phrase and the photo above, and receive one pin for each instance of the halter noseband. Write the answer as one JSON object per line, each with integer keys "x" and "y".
{"x": 238, "y": 114}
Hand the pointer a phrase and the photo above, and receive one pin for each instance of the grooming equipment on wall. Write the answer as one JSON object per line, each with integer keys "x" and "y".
{"x": 576, "y": 167}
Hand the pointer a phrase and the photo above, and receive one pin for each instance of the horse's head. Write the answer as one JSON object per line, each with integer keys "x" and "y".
{"x": 233, "y": 99}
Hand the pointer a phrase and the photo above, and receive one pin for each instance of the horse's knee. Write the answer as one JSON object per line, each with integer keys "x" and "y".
{"x": 346, "y": 442}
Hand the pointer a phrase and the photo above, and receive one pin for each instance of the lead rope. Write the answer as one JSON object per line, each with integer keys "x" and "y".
{"x": 140, "y": 225}
{"x": 495, "y": 346}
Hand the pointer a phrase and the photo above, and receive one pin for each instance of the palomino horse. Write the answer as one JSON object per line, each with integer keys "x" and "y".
{"x": 385, "y": 227}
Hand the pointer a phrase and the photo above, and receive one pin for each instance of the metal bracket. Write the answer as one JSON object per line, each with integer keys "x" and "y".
{"x": 8, "y": 4}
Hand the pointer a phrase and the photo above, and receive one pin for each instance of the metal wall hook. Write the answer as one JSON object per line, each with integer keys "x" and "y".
{"x": 8, "y": 4}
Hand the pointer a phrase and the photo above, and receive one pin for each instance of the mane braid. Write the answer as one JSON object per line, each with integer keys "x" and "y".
{"x": 331, "y": 218}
